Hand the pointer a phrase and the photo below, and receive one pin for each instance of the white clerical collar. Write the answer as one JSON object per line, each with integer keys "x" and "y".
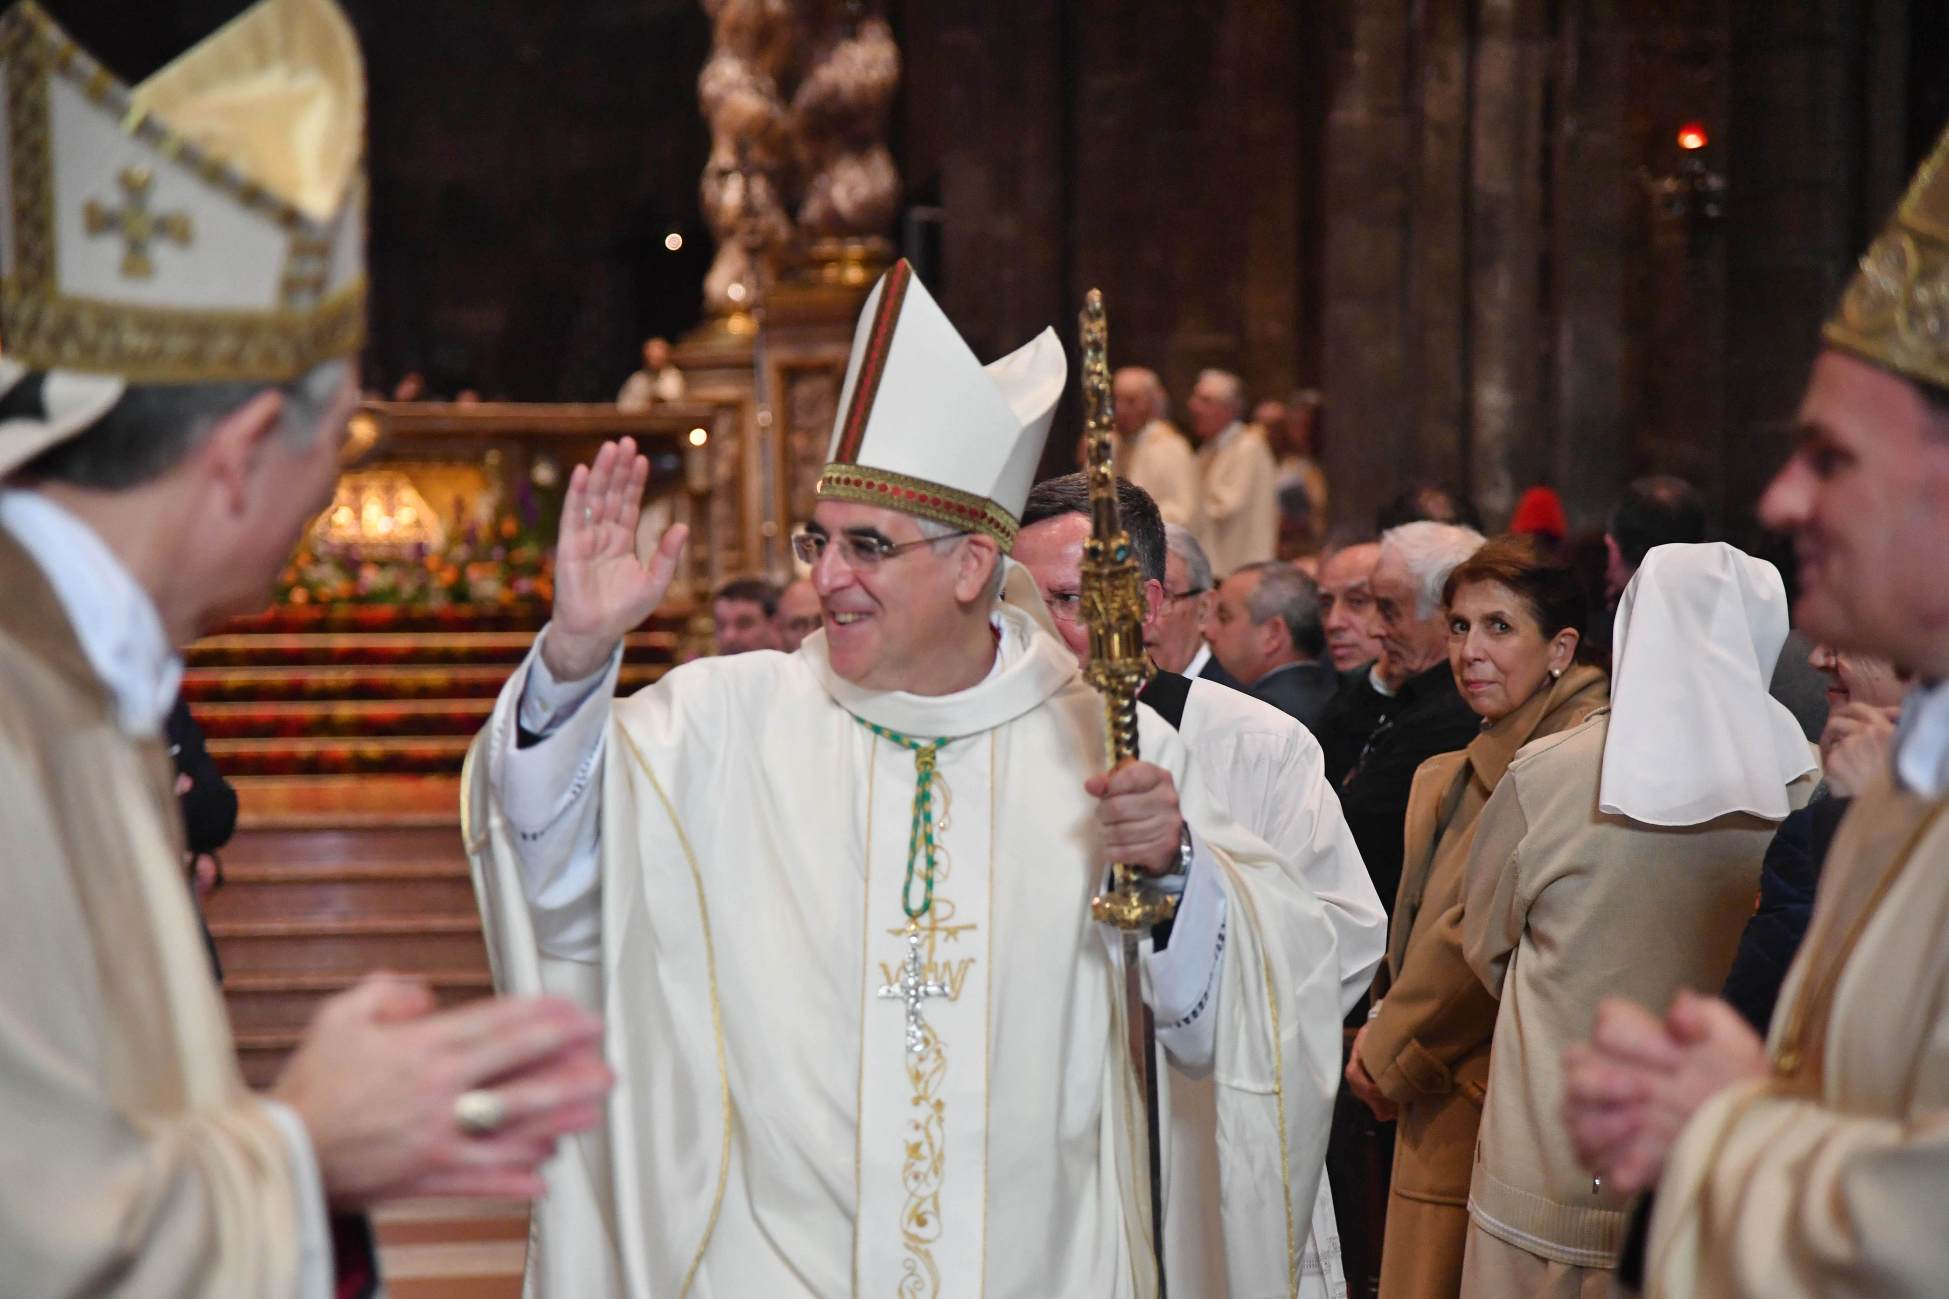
{"x": 1922, "y": 741}
{"x": 1031, "y": 664}
{"x": 116, "y": 622}
{"x": 1379, "y": 682}
{"x": 1198, "y": 660}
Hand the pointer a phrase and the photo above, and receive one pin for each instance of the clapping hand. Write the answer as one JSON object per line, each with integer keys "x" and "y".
{"x": 602, "y": 589}
{"x": 1631, "y": 1089}
{"x": 379, "y": 1080}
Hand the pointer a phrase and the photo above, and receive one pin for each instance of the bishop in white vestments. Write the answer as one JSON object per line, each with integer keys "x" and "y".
{"x": 834, "y": 906}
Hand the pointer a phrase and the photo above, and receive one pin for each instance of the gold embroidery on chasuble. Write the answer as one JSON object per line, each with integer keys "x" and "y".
{"x": 921, "y": 1228}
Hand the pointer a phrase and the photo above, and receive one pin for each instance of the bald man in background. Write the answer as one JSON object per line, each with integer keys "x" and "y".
{"x": 1150, "y": 451}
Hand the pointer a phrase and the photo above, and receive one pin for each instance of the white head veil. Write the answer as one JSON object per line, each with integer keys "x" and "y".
{"x": 1693, "y": 733}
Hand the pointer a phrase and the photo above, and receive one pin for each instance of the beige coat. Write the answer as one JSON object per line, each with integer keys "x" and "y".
{"x": 1427, "y": 1045}
{"x": 1239, "y": 508}
{"x": 1828, "y": 1179}
{"x": 1563, "y": 906}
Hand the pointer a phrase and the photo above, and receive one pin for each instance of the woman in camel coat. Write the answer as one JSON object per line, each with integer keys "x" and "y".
{"x": 1619, "y": 859}
{"x": 1514, "y": 624}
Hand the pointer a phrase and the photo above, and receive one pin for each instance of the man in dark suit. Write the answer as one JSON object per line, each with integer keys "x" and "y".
{"x": 1426, "y": 714}
{"x": 1265, "y": 631}
{"x": 1177, "y": 634}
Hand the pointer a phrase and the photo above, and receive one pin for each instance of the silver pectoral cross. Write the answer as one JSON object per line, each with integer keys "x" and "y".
{"x": 911, "y": 988}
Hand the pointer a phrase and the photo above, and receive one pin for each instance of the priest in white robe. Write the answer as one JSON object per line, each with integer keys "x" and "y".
{"x": 1238, "y": 502}
{"x": 834, "y": 906}
{"x": 1150, "y": 451}
{"x": 1814, "y": 1165}
{"x": 1266, "y": 772}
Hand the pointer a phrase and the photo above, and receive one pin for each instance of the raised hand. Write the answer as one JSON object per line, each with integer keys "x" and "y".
{"x": 602, "y": 589}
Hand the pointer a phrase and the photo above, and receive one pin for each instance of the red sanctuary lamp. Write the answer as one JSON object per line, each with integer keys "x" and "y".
{"x": 1691, "y": 198}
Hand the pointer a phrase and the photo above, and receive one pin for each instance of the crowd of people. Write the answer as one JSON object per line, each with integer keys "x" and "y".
{"x": 1520, "y": 786}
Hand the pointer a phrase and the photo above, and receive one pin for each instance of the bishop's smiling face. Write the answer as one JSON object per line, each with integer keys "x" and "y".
{"x": 1866, "y": 497}
{"x": 912, "y": 621}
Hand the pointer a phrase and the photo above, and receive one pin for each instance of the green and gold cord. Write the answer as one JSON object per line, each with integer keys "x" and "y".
{"x": 920, "y": 841}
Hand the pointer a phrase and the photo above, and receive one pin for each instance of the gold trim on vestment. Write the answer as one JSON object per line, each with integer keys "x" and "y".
{"x": 717, "y": 1008}
{"x": 1136, "y": 1145}
{"x": 924, "y": 1170}
{"x": 988, "y": 1006}
{"x": 866, "y": 485}
{"x": 1278, "y": 1076}
{"x": 865, "y": 977}
{"x": 1790, "y": 1057}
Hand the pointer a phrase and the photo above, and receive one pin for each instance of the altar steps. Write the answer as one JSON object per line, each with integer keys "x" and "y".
{"x": 328, "y": 880}
{"x": 211, "y": 686}
{"x": 452, "y": 1248}
{"x": 325, "y": 703}
{"x": 393, "y": 649}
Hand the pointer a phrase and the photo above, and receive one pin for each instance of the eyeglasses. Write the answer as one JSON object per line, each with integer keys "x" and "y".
{"x": 1066, "y": 606}
{"x": 1191, "y": 594}
{"x": 862, "y": 552}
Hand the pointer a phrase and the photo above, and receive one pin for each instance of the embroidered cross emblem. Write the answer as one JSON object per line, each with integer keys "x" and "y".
{"x": 138, "y": 226}
{"x": 911, "y": 987}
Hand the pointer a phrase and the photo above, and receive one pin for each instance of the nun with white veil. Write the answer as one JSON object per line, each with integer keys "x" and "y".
{"x": 1620, "y": 858}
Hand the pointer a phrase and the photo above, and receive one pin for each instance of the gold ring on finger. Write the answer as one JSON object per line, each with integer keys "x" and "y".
{"x": 480, "y": 1113}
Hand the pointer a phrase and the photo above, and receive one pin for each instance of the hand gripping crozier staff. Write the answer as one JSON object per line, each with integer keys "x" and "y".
{"x": 182, "y": 292}
{"x": 834, "y": 906}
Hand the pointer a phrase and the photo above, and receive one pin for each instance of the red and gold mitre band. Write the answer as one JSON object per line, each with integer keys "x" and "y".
{"x": 865, "y": 485}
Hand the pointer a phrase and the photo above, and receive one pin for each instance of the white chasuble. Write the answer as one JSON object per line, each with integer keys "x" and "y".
{"x": 771, "y": 1133}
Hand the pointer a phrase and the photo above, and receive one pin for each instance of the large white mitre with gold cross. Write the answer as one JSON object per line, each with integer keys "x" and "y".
{"x": 206, "y": 225}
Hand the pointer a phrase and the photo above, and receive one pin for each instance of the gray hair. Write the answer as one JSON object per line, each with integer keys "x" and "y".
{"x": 1431, "y": 552}
{"x": 1292, "y": 597}
{"x": 155, "y": 427}
{"x": 1179, "y": 541}
{"x": 935, "y": 530}
{"x": 1235, "y": 387}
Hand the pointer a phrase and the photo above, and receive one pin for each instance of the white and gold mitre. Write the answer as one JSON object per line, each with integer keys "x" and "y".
{"x": 207, "y": 225}
{"x": 1896, "y": 309}
{"x": 925, "y": 428}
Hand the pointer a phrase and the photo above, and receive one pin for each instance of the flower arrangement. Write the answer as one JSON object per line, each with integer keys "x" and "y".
{"x": 502, "y": 564}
